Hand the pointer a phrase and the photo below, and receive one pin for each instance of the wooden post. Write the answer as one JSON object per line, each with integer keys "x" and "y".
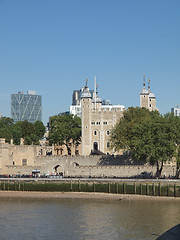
{"x": 141, "y": 188}
{"x": 174, "y": 190}
{"x": 79, "y": 185}
{"x": 117, "y": 188}
{"x": 109, "y": 188}
{"x": 168, "y": 189}
{"x": 71, "y": 185}
{"x": 19, "y": 186}
{"x": 147, "y": 189}
{"x": 124, "y": 188}
{"x": 4, "y": 186}
{"x": 154, "y": 190}
{"x": 94, "y": 187}
{"x": 134, "y": 188}
{"x": 23, "y": 186}
{"x": 159, "y": 189}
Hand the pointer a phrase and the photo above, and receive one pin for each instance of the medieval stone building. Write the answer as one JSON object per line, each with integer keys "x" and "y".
{"x": 147, "y": 98}
{"x": 97, "y": 122}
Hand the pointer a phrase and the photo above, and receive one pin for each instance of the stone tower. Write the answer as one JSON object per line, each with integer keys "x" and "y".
{"x": 97, "y": 121}
{"x": 86, "y": 105}
{"x": 147, "y": 98}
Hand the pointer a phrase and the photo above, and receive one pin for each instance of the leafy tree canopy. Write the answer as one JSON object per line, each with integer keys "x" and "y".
{"x": 39, "y": 129}
{"x": 64, "y": 130}
{"x": 148, "y": 136}
{"x": 31, "y": 133}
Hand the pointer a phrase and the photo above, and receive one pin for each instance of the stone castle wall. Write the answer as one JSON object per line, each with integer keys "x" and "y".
{"x": 87, "y": 167}
{"x": 12, "y": 162}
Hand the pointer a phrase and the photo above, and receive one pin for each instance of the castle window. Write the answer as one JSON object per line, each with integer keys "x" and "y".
{"x": 95, "y": 132}
{"x": 97, "y": 123}
{"x": 92, "y": 123}
{"x": 108, "y": 144}
{"x": 105, "y": 123}
{"x": 150, "y": 100}
{"x": 149, "y": 105}
{"x": 24, "y": 162}
{"x": 107, "y": 132}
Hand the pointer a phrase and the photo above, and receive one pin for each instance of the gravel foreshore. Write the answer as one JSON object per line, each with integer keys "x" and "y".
{"x": 81, "y": 195}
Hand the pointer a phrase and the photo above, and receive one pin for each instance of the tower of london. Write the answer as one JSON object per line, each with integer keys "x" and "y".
{"x": 98, "y": 118}
{"x": 147, "y": 98}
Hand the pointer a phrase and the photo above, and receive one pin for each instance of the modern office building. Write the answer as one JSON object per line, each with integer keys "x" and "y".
{"x": 176, "y": 111}
{"x": 26, "y": 107}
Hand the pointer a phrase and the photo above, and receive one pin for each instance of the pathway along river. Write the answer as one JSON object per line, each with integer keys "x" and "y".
{"x": 84, "y": 219}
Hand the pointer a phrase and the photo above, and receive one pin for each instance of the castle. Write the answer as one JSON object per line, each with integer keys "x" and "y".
{"x": 97, "y": 122}
{"x": 98, "y": 118}
{"x": 147, "y": 98}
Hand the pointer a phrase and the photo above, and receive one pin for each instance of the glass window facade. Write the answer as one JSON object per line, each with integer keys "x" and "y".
{"x": 26, "y": 107}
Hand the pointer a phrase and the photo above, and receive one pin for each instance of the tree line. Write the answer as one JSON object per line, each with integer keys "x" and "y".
{"x": 63, "y": 130}
{"x": 30, "y": 132}
{"x": 149, "y": 137}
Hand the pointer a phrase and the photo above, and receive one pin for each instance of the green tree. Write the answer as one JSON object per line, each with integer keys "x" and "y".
{"x": 31, "y": 133}
{"x": 6, "y": 122}
{"x": 16, "y": 132}
{"x": 147, "y": 135}
{"x": 65, "y": 130}
{"x": 27, "y": 128}
{"x": 5, "y": 126}
{"x": 39, "y": 129}
{"x": 174, "y": 130}
{"x": 5, "y": 133}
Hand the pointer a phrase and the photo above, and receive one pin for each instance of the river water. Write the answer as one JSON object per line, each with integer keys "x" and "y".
{"x": 86, "y": 219}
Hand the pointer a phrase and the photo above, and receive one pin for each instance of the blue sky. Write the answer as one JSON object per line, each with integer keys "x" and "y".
{"x": 52, "y": 46}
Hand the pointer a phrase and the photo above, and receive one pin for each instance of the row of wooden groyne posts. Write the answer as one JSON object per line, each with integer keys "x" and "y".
{"x": 149, "y": 188}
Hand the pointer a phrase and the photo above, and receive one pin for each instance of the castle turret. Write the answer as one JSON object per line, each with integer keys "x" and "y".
{"x": 144, "y": 95}
{"x": 86, "y": 105}
{"x": 147, "y": 98}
